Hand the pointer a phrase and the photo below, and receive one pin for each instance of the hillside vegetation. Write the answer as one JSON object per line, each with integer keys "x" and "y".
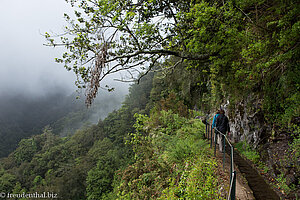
{"x": 126, "y": 156}
{"x": 242, "y": 55}
{"x": 23, "y": 116}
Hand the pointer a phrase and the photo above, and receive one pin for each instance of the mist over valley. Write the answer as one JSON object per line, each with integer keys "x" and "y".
{"x": 23, "y": 116}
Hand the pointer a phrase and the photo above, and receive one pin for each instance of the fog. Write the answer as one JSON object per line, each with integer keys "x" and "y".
{"x": 34, "y": 90}
{"x": 27, "y": 66}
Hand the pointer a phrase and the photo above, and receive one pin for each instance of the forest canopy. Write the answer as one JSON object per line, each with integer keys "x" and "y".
{"x": 111, "y": 36}
{"x": 242, "y": 54}
{"x": 238, "y": 47}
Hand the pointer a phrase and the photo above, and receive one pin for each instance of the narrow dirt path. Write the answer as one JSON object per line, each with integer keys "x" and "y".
{"x": 243, "y": 191}
{"x": 250, "y": 184}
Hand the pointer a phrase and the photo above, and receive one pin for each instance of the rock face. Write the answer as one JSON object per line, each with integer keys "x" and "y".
{"x": 247, "y": 121}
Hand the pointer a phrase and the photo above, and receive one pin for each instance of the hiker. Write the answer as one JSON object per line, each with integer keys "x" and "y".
{"x": 214, "y": 120}
{"x": 213, "y": 125}
{"x": 222, "y": 125}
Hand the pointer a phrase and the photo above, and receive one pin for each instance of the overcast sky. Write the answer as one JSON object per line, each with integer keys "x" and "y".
{"x": 27, "y": 65}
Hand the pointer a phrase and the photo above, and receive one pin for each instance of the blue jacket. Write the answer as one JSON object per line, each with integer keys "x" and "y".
{"x": 214, "y": 121}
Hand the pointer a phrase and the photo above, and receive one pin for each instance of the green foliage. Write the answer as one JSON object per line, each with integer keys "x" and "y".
{"x": 251, "y": 154}
{"x": 109, "y": 159}
{"x": 99, "y": 180}
{"x": 26, "y": 150}
{"x": 198, "y": 181}
{"x": 7, "y": 181}
{"x": 19, "y": 190}
{"x": 168, "y": 122}
{"x": 16, "y": 124}
{"x": 289, "y": 161}
{"x": 125, "y": 35}
{"x": 169, "y": 161}
{"x": 295, "y": 152}
{"x": 81, "y": 165}
{"x": 245, "y": 149}
{"x": 231, "y": 49}
{"x": 179, "y": 149}
{"x": 172, "y": 103}
{"x": 254, "y": 56}
{"x": 219, "y": 51}
{"x": 63, "y": 113}
{"x": 281, "y": 184}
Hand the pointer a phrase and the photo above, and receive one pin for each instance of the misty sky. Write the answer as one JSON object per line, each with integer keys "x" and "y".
{"x": 26, "y": 65}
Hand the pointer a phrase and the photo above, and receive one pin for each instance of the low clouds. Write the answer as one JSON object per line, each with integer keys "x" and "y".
{"x": 26, "y": 66}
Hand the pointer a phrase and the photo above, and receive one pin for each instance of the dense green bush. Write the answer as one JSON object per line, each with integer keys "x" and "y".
{"x": 245, "y": 149}
{"x": 169, "y": 164}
